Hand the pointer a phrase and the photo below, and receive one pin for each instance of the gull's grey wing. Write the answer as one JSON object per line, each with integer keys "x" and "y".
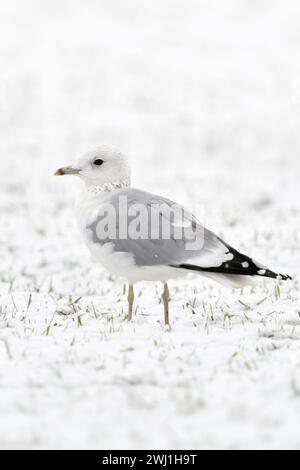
{"x": 177, "y": 249}
{"x": 188, "y": 246}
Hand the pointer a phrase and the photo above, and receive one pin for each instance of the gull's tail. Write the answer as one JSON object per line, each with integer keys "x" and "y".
{"x": 253, "y": 270}
{"x": 233, "y": 272}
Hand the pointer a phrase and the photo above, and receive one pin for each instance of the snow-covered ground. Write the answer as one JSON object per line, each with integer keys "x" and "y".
{"x": 205, "y": 98}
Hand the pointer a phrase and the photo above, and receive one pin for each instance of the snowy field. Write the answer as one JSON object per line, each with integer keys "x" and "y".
{"x": 204, "y": 96}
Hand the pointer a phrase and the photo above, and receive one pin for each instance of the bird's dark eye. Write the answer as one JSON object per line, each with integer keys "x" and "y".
{"x": 98, "y": 162}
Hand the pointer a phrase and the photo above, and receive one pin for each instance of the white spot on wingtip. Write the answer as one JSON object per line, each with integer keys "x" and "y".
{"x": 261, "y": 272}
{"x": 245, "y": 264}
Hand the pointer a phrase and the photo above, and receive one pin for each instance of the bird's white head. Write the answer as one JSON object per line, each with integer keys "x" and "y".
{"x": 103, "y": 166}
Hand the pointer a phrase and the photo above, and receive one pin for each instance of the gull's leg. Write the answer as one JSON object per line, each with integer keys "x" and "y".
{"x": 166, "y": 299}
{"x": 130, "y": 301}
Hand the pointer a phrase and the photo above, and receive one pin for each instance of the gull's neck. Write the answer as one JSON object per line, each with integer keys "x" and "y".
{"x": 92, "y": 194}
{"x": 108, "y": 187}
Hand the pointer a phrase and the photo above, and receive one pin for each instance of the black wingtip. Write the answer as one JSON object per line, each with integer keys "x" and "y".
{"x": 228, "y": 268}
{"x": 284, "y": 277}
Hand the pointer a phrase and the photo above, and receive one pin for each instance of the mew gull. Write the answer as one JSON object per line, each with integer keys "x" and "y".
{"x": 139, "y": 236}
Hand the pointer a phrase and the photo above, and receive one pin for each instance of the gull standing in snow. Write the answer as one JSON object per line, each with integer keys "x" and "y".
{"x": 110, "y": 214}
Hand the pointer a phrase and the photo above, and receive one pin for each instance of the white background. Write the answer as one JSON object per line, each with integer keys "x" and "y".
{"x": 204, "y": 96}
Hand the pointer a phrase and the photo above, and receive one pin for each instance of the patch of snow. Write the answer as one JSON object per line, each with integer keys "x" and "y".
{"x": 196, "y": 97}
